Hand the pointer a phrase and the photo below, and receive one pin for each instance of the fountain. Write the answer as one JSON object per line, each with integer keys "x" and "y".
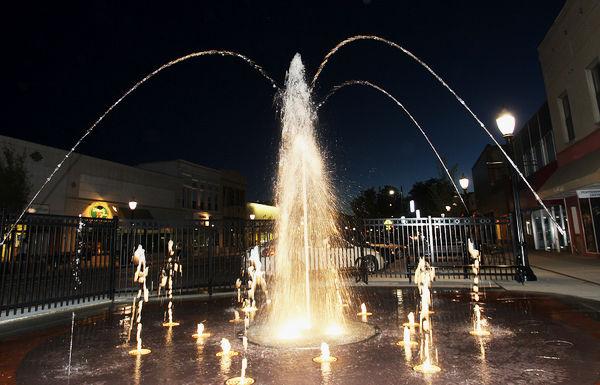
{"x": 478, "y": 323}
{"x": 166, "y": 280}
{"x": 200, "y": 332}
{"x": 424, "y": 276}
{"x": 325, "y": 356}
{"x": 226, "y": 351}
{"x": 242, "y": 379}
{"x": 411, "y": 321}
{"x": 306, "y": 288}
{"x": 236, "y": 317}
{"x": 141, "y": 272}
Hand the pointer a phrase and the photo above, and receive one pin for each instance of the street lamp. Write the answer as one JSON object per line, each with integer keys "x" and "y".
{"x": 448, "y": 208}
{"x": 464, "y": 183}
{"x": 252, "y": 216}
{"x": 411, "y": 205}
{"x": 506, "y": 125}
{"x": 391, "y": 192}
{"x": 132, "y": 206}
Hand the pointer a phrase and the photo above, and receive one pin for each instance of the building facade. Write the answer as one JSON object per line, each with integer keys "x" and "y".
{"x": 570, "y": 62}
{"x": 533, "y": 151}
{"x": 95, "y": 187}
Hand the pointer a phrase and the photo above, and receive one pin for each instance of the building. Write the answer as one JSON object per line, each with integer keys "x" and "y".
{"x": 491, "y": 183}
{"x": 570, "y": 61}
{"x": 533, "y": 152}
{"x": 99, "y": 188}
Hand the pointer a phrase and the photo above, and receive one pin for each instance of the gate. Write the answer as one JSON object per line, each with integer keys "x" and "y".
{"x": 398, "y": 244}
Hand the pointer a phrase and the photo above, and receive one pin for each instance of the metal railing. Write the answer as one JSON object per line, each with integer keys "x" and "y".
{"x": 399, "y": 243}
{"x": 52, "y": 261}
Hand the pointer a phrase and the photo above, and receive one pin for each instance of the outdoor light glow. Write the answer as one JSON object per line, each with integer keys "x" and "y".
{"x": 132, "y": 204}
{"x": 412, "y": 206}
{"x": 506, "y": 123}
{"x": 252, "y": 216}
{"x": 392, "y": 192}
{"x": 418, "y": 213}
{"x": 448, "y": 208}
{"x": 464, "y": 182}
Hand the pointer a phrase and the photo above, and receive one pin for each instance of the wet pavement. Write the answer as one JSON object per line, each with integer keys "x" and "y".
{"x": 536, "y": 339}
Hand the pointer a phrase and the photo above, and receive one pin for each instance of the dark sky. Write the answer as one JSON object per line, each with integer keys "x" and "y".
{"x": 64, "y": 63}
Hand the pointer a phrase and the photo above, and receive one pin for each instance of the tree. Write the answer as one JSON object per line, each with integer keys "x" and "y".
{"x": 433, "y": 195}
{"x": 372, "y": 203}
{"x": 14, "y": 181}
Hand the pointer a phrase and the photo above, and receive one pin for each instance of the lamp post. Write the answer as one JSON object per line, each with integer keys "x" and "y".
{"x": 464, "y": 184}
{"x": 506, "y": 125}
{"x": 132, "y": 206}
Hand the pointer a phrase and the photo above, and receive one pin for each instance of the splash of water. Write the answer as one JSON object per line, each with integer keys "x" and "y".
{"x": 458, "y": 98}
{"x": 305, "y": 284}
{"x": 140, "y": 275}
{"x": 119, "y": 100}
{"x": 424, "y": 276}
{"x": 172, "y": 266}
{"x": 71, "y": 346}
{"x": 410, "y": 116}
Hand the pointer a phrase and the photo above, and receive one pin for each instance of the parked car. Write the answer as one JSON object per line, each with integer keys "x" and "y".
{"x": 345, "y": 256}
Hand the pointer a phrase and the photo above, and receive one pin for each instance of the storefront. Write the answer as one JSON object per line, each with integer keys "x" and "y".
{"x": 545, "y": 235}
{"x": 589, "y": 205}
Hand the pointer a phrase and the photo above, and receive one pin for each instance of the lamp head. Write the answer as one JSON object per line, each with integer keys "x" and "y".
{"x": 506, "y": 124}
{"x": 464, "y": 182}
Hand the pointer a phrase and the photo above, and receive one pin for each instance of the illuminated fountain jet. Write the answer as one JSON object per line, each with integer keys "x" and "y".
{"x": 172, "y": 266}
{"x": 201, "y": 332}
{"x": 325, "y": 356}
{"x": 226, "y": 351}
{"x": 140, "y": 275}
{"x": 242, "y": 379}
{"x": 424, "y": 276}
{"x": 479, "y": 323}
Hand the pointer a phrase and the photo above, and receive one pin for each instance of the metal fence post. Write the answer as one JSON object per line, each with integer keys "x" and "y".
{"x": 113, "y": 238}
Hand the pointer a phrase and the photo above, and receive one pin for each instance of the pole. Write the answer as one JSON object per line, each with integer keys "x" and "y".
{"x": 524, "y": 271}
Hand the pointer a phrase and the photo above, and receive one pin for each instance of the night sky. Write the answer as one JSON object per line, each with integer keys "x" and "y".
{"x": 64, "y": 63}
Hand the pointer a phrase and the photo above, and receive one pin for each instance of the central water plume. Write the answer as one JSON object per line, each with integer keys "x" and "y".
{"x": 307, "y": 291}
{"x": 307, "y": 295}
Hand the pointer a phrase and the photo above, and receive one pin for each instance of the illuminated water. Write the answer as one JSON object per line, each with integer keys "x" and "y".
{"x": 307, "y": 293}
{"x": 458, "y": 98}
{"x": 410, "y": 116}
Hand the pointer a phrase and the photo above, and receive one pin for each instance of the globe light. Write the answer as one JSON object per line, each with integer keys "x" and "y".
{"x": 132, "y": 204}
{"x": 464, "y": 182}
{"x": 391, "y": 192}
{"x": 506, "y": 124}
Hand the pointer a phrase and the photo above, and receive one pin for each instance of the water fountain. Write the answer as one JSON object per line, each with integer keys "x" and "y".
{"x": 325, "y": 356}
{"x": 424, "y": 276}
{"x": 306, "y": 288}
{"x": 141, "y": 272}
{"x": 200, "y": 332}
{"x": 411, "y": 321}
{"x": 172, "y": 265}
{"x": 242, "y": 379}
{"x": 226, "y": 349}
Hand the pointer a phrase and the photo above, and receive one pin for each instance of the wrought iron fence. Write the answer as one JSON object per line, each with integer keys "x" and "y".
{"x": 51, "y": 261}
{"x": 395, "y": 245}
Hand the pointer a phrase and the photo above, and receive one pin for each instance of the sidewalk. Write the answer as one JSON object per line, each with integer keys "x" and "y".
{"x": 561, "y": 273}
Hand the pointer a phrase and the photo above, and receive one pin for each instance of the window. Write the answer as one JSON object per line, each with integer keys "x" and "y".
{"x": 568, "y": 118}
{"x": 594, "y": 77}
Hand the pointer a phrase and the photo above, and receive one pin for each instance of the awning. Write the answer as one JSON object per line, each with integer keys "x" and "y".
{"x": 580, "y": 174}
